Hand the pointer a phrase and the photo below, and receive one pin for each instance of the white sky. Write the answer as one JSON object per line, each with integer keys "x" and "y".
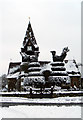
{"x": 55, "y": 23}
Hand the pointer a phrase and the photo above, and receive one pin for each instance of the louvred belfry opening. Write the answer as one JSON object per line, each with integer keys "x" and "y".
{"x": 30, "y": 49}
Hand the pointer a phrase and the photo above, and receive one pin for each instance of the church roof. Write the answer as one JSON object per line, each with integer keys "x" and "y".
{"x": 70, "y": 65}
{"x": 13, "y": 67}
{"x": 72, "y": 68}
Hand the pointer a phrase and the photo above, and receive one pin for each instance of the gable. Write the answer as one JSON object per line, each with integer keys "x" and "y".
{"x": 72, "y": 68}
{"x": 13, "y": 67}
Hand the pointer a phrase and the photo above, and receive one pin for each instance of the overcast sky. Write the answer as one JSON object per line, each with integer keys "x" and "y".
{"x": 55, "y": 23}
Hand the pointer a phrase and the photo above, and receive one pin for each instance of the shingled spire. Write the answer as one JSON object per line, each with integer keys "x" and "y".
{"x": 30, "y": 46}
{"x": 29, "y": 36}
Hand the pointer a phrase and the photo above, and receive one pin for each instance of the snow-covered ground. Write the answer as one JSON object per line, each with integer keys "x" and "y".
{"x": 41, "y": 111}
{"x": 43, "y": 100}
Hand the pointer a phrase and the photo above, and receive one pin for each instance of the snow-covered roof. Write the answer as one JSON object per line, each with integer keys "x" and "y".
{"x": 24, "y": 63}
{"x": 46, "y": 67}
{"x": 36, "y": 46}
{"x": 34, "y": 73}
{"x": 34, "y": 63}
{"x": 71, "y": 66}
{"x": 34, "y": 68}
{"x": 15, "y": 75}
{"x": 62, "y": 72}
{"x": 57, "y": 62}
{"x": 23, "y": 74}
{"x": 13, "y": 69}
{"x": 75, "y": 75}
{"x": 58, "y": 67}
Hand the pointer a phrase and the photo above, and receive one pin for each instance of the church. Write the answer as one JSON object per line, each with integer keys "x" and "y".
{"x": 40, "y": 74}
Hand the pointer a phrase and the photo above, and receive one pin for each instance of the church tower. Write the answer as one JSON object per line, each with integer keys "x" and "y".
{"x": 30, "y": 49}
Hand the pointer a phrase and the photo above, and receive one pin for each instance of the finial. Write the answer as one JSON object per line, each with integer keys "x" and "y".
{"x": 29, "y": 18}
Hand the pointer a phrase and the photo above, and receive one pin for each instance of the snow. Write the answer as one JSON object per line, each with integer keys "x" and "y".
{"x": 32, "y": 56}
{"x": 24, "y": 63}
{"x": 58, "y": 67}
{"x": 34, "y": 68}
{"x": 74, "y": 75}
{"x": 46, "y": 67}
{"x": 25, "y": 111}
{"x": 34, "y": 63}
{"x": 63, "y": 77}
{"x": 26, "y": 39}
{"x": 43, "y": 100}
{"x": 36, "y": 46}
{"x": 56, "y": 63}
{"x": 15, "y": 75}
{"x": 38, "y": 77}
{"x": 57, "y": 92}
{"x": 41, "y": 112}
{"x": 62, "y": 72}
{"x": 22, "y": 54}
{"x": 66, "y": 92}
{"x": 2, "y": 93}
{"x": 57, "y": 88}
{"x": 13, "y": 69}
{"x": 34, "y": 73}
{"x": 71, "y": 66}
{"x": 23, "y": 73}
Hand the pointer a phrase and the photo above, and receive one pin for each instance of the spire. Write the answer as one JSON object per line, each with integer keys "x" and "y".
{"x": 30, "y": 47}
{"x": 29, "y": 35}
